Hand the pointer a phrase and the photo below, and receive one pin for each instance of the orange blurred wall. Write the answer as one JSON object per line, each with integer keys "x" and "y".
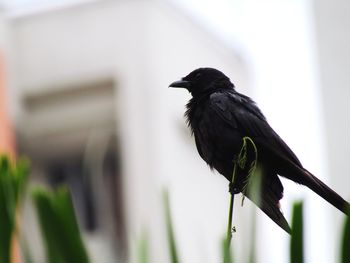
{"x": 7, "y": 140}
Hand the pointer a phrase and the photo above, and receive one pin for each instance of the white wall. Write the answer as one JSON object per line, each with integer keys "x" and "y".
{"x": 333, "y": 37}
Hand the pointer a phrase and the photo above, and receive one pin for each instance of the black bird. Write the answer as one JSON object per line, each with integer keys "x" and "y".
{"x": 219, "y": 117}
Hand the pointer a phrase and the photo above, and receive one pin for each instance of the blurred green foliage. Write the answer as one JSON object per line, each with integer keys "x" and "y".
{"x": 170, "y": 230}
{"x": 143, "y": 249}
{"x": 59, "y": 226}
{"x": 13, "y": 178}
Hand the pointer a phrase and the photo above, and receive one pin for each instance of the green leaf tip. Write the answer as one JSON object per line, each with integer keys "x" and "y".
{"x": 63, "y": 241}
{"x": 345, "y": 242}
{"x": 174, "y": 258}
{"x": 297, "y": 245}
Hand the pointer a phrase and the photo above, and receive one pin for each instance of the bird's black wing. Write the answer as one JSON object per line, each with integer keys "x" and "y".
{"x": 241, "y": 113}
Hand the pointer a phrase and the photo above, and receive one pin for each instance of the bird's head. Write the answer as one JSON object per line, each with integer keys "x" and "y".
{"x": 202, "y": 81}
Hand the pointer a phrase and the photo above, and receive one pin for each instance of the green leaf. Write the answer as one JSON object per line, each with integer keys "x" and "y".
{"x": 226, "y": 251}
{"x": 170, "y": 231}
{"x": 143, "y": 250}
{"x": 345, "y": 246}
{"x": 252, "y": 249}
{"x": 249, "y": 152}
{"x": 48, "y": 223}
{"x": 59, "y": 226}
{"x": 296, "y": 245}
{"x": 13, "y": 178}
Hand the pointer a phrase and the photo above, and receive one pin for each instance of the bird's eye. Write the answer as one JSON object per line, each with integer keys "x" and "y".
{"x": 198, "y": 75}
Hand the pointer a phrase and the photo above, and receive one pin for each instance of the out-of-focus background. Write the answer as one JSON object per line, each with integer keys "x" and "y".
{"x": 85, "y": 87}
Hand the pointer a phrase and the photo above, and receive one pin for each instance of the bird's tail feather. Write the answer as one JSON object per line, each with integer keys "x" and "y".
{"x": 302, "y": 176}
{"x": 268, "y": 203}
{"x": 323, "y": 190}
{"x": 265, "y": 190}
{"x": 289, "y": 169}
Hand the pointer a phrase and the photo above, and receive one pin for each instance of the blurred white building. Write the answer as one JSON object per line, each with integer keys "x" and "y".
{"x": 90, "y": 83}
{"x": 92, "y": 109}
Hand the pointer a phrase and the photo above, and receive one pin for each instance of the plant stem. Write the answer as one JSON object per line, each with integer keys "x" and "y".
{"x": 230, "y": 215}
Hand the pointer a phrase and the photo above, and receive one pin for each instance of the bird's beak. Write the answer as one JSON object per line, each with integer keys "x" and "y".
{"x": 180, "y": 84}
